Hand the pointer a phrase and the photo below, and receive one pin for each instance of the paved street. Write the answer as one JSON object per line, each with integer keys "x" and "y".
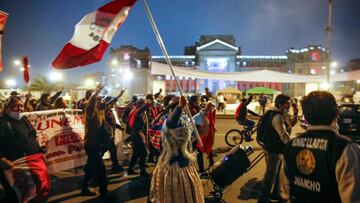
{"x": 65, "y": 185}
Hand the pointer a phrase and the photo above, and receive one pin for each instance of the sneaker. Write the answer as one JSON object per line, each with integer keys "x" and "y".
{"x": 87, "y": 192}
{"x": 131, "y": 172}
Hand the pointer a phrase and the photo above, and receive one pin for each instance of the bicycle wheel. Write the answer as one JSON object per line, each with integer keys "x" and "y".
{"x": 234, "y": 137}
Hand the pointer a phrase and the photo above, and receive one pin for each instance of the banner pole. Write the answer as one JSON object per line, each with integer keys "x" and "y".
{"x": 168, "y": 61}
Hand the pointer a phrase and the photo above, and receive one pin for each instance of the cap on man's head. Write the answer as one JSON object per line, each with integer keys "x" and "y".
{"x": 14, "y": 93}
{"x": 134, "y": 98}
{"x": 149, "y": 96}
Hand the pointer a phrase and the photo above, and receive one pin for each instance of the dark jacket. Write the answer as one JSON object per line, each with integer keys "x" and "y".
{"x": 17, "y": 138}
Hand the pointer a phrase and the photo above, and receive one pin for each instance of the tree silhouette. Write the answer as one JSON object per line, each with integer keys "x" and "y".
{"x": 41, "y": 84}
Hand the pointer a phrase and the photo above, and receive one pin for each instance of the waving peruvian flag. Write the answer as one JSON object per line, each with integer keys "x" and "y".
{"x": 3, "y": 19}
{"x": 93, "y": 35}
{"x": 29, "y": 178}
{"x": 26, "y": 72}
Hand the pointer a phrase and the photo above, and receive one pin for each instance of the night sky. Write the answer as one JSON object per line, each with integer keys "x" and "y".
{"x": 40, "y": 28}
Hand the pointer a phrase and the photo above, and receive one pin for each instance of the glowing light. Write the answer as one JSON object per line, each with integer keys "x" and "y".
{"x": 114, "y": 62}
{"x": 332, "y": 72}
{"x": 126, "y": 56}
{"x": 334, "y": 64}
{"x": 325, "y": 86}
{"x": 217, "y": 63}
{"x": 10, "y": 83}
{"x": 55, "y": 76}
{"x": 22, "y": 69}
{"x": 313, "y": 71}
{"x": 89, "y": 82}
{"x": 323, "y": 67}
{"x": 17, "y": 62}
{"x": 167, "y": 77}
{"x": 128, "y": 75}
{"x": 358, "y": 81}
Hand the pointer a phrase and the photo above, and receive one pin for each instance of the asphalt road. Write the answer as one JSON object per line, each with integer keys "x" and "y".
{"x": 66, "y": 184}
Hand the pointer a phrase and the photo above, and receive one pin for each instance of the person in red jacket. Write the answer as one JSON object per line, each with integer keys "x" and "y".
{"x": 240, "y": 116}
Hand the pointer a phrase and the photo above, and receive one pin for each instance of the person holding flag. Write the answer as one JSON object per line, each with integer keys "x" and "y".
{"x": 23, "y": 172}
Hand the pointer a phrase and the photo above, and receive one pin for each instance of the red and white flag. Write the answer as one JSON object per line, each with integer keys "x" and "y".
{"x": 3, "y": 19}
{"x": 93, "y": 35}
{"x": 29, "y": 178}
{"x": 26, "y": 72}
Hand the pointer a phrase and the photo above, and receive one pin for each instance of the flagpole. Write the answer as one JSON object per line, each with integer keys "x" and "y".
{"x": 168, "y": 61}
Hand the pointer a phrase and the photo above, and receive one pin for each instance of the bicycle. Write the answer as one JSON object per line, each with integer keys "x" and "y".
{"x": 235, "y": 136}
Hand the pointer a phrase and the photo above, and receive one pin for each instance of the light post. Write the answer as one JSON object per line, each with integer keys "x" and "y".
{"x": 55, "y": 77}
{"x": 11, "y": 83}
{"x": 329, "y": 31}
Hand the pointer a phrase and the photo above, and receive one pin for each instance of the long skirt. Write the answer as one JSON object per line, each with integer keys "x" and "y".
{"x": 175, "y": 184}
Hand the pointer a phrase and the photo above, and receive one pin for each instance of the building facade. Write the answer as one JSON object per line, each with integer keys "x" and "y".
{"x": 214, "y": 53}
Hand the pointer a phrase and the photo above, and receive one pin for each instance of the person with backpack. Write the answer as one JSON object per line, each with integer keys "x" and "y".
{"x": 273, "y": 134}
{"x": 320, "y": 164}
{"x": 240, "y": 116}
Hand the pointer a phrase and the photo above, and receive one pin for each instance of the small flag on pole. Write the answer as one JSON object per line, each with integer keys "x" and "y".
{"x": 3, "y": 19}
{"x": 93, "y": 35}
{"x": 26, "y": 73}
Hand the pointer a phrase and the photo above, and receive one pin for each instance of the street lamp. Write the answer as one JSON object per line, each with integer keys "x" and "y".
{"x": 114, "y": 62}
{"x": 325, "y": 86}
{"x": 17, "y": 62}
{"x": 329, "y": 31}
{"x": 89, "y": 83}
{"x": 333, "y": 64}
{"x": 55, "y": 76}
{"x": 10, "y": 83}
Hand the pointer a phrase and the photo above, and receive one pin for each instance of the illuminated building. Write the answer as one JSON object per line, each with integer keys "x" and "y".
{"x": 219, "y": 53}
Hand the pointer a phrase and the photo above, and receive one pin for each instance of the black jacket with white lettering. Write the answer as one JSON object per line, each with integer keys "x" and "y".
{"x": 311, "y": 163}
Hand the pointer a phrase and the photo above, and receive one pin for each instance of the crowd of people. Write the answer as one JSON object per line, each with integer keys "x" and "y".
{"x": 317, "y": 166}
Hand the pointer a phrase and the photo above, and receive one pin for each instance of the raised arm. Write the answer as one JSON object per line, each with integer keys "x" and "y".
{"x": 55, "y": 96}
{"x": 158, "y": 94}
{"x": 90, "y": 106}
{"x": 114, "y": 100}
{"x": 174, "y": 118}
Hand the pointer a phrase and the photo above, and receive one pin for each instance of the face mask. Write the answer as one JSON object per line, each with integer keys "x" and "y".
{"x": 15, "y": 115}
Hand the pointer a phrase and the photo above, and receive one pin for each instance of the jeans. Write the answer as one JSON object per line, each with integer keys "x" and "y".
{"x": 249, "y": 124}
{"x": 270, "y": 182}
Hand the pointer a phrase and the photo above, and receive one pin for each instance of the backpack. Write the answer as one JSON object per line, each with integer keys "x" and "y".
{"x": 263, "y": 127}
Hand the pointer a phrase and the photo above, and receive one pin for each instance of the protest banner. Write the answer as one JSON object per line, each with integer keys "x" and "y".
{"x": 61, "y": 133}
